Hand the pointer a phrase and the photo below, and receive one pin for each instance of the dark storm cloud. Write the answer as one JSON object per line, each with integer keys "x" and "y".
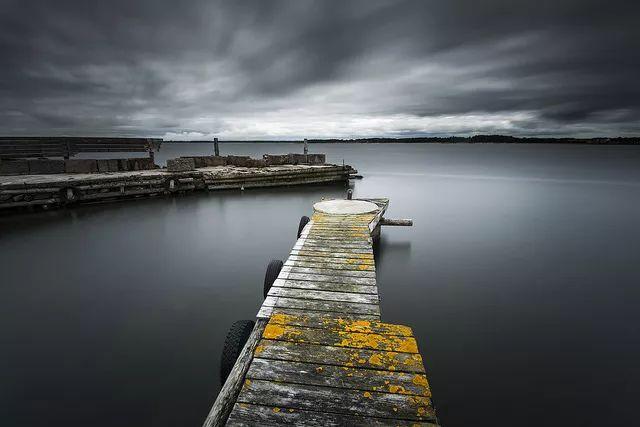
{"x": 318, "y": 68}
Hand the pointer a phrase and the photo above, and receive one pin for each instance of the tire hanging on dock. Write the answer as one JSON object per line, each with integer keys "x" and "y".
{"x": 273, "y": 271}
{"x": 303, "y": 222}
{"x": 69, "y": 195}
{"x": 233, "y": 344}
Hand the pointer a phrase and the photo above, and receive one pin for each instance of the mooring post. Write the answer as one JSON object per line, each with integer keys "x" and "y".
{"x": 306, "y": 146}
{"x": 349, "y": 194}
{"x": 216, "y": 150}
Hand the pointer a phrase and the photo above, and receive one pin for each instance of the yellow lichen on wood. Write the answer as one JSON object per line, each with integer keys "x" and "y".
{"x": 421, "y": 381}
{"x": 274, "y": 331}
{"x": 283, "y": 319}
{"x": 378, "y": 342}
{"x": 259, "y": 349}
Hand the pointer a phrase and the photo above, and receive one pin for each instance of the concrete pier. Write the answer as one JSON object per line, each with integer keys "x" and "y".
{"x": 62, "y": 189}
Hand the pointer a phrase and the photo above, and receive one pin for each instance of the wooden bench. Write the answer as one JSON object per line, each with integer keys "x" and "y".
{"x": 65, "y": 147}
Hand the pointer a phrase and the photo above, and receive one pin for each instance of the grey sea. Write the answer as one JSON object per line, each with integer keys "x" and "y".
{"x": 520, "y": 278}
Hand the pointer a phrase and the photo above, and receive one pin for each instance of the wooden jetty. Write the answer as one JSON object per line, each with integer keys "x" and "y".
{"x": 63, "y": 189}
{"x": 319, "y": 353}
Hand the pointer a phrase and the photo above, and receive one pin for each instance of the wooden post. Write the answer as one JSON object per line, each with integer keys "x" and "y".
{"x": 349, "y": 194}
{"x": 397, "y": 222}
{"x": 216, "y": 151}
{"x": 306, "y": 146}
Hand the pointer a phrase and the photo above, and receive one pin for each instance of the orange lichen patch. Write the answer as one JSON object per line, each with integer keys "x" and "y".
{"x": 368, "y": 326}
{"x": 319, "y": 369}
{"x": 421, "y": 381}
{"x": 291, "y": 410}
{"x": 275, "y": 331}
{"x": 367, "y": 395}
{"x": 356, "y": 234}
{"x": 397, "y": 389}
{"x": 363, "y": 326}
{"x": 247, "y": 382}
{"x": 378, "y": 342}
{"x": 259, "y": 349}
{"x": 358, "y": 261}
{"x": 422, "y": 406}
{"x": 283, "y": 319}
{"x": 276, "y": 410}
{"x": 388, "y": 360}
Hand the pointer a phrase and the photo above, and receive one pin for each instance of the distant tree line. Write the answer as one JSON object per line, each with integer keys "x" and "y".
{"x": 504, "y": 139}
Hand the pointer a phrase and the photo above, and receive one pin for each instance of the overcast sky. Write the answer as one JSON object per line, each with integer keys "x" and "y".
{"x": 289, "y": 69}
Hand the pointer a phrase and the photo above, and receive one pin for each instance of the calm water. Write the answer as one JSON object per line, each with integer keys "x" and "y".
{"x": 520, "y": 278}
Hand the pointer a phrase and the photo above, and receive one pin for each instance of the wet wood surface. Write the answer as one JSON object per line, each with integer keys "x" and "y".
{"x": 325, "y": 358}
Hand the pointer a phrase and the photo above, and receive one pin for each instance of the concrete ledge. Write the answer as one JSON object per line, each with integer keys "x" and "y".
{"x": 80, "y": 166}
{"x": 138, "y": 164}
{"x": 14, "y": 167}
{"x": 108, "y": 165}
{"x": 267, "y": 160}
{"x": 181, "y": 164}
{"x": 45, "y": 167}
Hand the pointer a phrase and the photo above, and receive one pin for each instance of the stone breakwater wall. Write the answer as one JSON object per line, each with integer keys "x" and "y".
{"x": 52, "y": 166}
{"x": 84, "y": 166}
{"x": 55, "y": 190}
{"x": 193, "y": 162}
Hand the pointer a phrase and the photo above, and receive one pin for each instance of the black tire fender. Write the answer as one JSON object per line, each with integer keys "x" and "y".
{"x": 273, "y": 271}
{"x": 233, "y": 344}
{"x": 303, "y": 222}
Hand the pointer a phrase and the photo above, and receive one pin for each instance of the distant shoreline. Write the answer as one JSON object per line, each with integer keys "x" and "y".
{"x": 477, "y": 139}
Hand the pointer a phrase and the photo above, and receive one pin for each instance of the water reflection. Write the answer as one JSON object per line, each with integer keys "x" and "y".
{"x": 522, "y": 292}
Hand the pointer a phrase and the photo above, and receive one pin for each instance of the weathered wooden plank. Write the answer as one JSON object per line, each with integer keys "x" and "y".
{"x": 328, "y": 259}
{"x": 328, "y": 272}
{"x": 357, "y": 229}
{"x": 340, "y": 356}
{"x": 355, "y": 266}
{"x": 332, "y": 337}
{"x": 277, "y": 291}
{"x": 347, "y": 228}
{"x": 319, "y": 217}
{"x": 341, "y": 323}
{"x": 339, "y": 377}
{"x": 246, "y": 414}
{"x": 302, "y": 246}
{"x": 344, "y": 401}
{"x": 332, "y": 254}
{"x": 311, "y": 234}
{"x": 327, "y": 286}
{"x": 315, "y": 277}
{"x": 266, "y": 312}
{"x": 355, "y": 244}
{"x": 336, "y": 238}
{"x": 331, "y": 306}
{"x": 230, "y": 389}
